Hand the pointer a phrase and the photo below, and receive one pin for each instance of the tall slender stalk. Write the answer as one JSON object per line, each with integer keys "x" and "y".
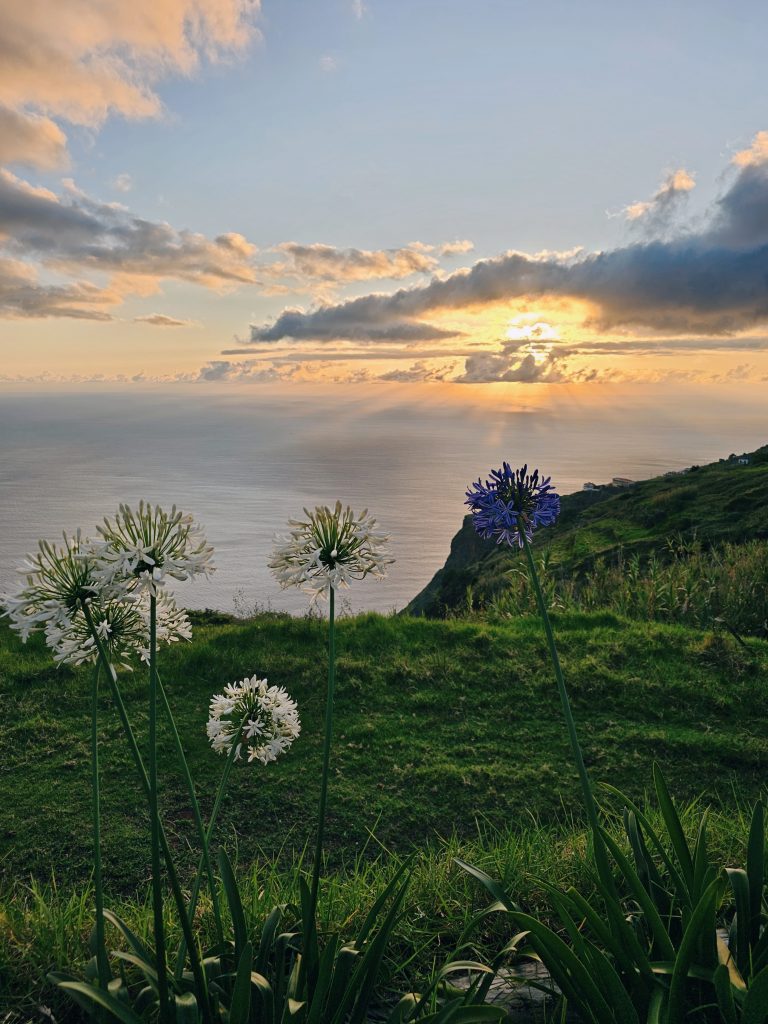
{"x": 102, "y": 961}
{"x": 203, "y": 835}
{"x": 205, "y": 858}
{"x": 326, "y": 756}
{"x": 157, "y": 891}
{"x": 586, "y": 785}
{"x": 194, "y": 958}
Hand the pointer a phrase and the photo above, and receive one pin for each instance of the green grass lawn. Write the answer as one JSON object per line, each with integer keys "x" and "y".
{"x": 449, "y": 739}
{"x": 437, "y": 723}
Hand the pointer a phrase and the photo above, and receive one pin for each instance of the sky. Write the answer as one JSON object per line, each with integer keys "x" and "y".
{"x": 383, "y": 192}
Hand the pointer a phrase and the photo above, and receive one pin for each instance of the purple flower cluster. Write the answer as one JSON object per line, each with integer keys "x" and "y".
{"x": 512, "y": 504}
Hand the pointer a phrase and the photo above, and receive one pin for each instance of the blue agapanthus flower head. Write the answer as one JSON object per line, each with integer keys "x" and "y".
{"x": 512, "y": 504}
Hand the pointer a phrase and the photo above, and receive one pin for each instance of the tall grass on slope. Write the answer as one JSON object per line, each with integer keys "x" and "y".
{"x": 687, "y": 583}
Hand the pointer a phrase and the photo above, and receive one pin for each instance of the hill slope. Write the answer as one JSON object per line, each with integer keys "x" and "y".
{"x": 724, "y": 501}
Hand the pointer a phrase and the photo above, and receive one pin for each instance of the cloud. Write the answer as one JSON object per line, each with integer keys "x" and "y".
{"x": 755, "y": 155}
{"x": 123, "y": 183}
{"x": 328, "y": 263}
{"x": 72, "y": 233}
{"x": 23, "y": 296}
{"x": 161, "y": 320}
{"x": 359, "y": 9}
{"x": 328, "y": 64}
{"x": 331, "y": 324}
{"x": 456, "y": 248}
{"x": 709, "y": 281}
{"x": 512, "y": 365}
{"x": 32, "y": 140}
{"x": 224, "y": 370}
{"x": 82, "y": 60}
{"x": 656, "y": 212}
{"x": 419, "y": 373}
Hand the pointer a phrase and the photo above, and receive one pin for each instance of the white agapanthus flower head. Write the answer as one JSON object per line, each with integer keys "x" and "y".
{"x": 122, "y": 627}
{"x": 139, "y": 549}
{"x": 328, "y": 549}
{"x": 58, "y": 580}
{"x": 256, "y": 718}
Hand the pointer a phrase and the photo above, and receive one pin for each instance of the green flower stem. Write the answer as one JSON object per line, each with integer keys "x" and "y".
{"x": 102, "y": 960}
{"x": 154, "y": 820}
{"x": 206, "y": 839}
{"x": 197, "y": 970}
{"x": 205, "y": 863}
{"x": 586, "y": 785}
{"x": 326, "y": 756}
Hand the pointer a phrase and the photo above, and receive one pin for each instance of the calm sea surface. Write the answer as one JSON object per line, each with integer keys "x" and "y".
{"x": 245, "y": 462}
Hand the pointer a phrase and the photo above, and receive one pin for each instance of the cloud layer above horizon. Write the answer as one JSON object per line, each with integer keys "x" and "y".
{"x": 709, "y": 279}
{"x": 678, "y": 283}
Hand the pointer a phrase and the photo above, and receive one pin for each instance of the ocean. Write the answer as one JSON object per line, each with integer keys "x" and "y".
{"x": 246, "y": 460}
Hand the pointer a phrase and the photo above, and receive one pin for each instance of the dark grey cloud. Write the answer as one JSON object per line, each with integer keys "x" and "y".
{"x": 74, "y": 232}
{"x": 347, "y": 322}
{"x": 710, "y": 281}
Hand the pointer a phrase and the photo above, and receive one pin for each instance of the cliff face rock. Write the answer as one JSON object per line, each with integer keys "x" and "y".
{"x": 448, "y": 587}
{"x": 727, "y": 500}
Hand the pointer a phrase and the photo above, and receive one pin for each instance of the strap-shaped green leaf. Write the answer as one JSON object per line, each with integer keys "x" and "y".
{"x": 701, "y": 922}
{"x": 373, "y": 913}
{"x": 644, "y": 899}
{"x": 140, "y": 948}
{"x": 266, "y": 997}
{"x": 741, "y": 952}
{"x": 677, "y": 878}
{"x": 722, "y": 982}
{"x": 494, "y": 888}
{"x": 755, "y": 1007}
{"x": 572, "y": 976}
{"x": 232, "y": 893}
{"x": 187, "y": 1010}
{"x": 674, "y": 827}
{"x": 323, "y": 983}
{"x": 267, "y": 939}
{"x": 240, "y": 1005}
{"x": 116, "y": 1007}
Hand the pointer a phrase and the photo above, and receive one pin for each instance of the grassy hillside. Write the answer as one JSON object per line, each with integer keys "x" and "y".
{"x": 720, "y": 503}
{"x": 437, "y": 722}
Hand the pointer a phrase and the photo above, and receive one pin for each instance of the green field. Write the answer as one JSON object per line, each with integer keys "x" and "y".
{"x": 449, "y": 739}
{"x": 436, "y": 723}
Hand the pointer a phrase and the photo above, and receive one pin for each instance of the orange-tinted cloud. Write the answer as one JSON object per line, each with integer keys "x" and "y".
{"x": 82, "y": 60}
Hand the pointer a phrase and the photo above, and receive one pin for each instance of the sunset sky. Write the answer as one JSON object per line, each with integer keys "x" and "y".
{"x": 364, "y": 191}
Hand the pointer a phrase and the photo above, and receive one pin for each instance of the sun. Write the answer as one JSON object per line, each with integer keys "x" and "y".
{"x": 524, "y": 328}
